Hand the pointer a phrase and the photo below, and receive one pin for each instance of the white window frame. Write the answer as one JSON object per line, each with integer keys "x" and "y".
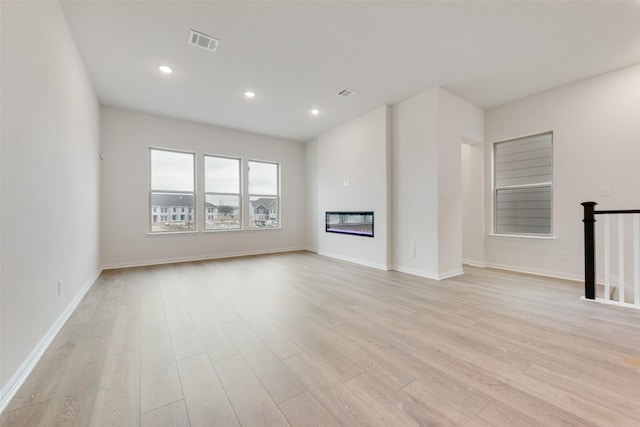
{"x": 545, "y": 184}
{"x": 276, "y": 196}
{"x": 164, "y": 191}
{"x": 211, "y": 193}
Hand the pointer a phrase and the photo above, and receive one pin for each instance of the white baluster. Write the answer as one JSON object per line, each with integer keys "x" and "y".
{"x": 636, "y": 259}
{"x": 621, "y": 257}
{"x": 607, "y": 259}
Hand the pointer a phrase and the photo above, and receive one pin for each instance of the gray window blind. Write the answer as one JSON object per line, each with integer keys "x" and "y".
{"x": 523, "y": 182}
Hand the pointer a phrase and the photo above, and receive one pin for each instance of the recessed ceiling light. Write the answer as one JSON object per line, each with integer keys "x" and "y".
{"x": 249, "y": 94}
{"x": 165, "y": 69}
{"x": 315, "y": 112}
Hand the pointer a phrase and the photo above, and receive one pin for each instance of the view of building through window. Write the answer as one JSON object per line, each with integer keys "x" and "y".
{"x": 264, "y": 198}
{"x": 172, "y": 190}
{"x": 222, "y": 193}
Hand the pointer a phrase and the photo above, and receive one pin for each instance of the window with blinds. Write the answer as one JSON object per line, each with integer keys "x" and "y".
{"x": 523, "y": 183}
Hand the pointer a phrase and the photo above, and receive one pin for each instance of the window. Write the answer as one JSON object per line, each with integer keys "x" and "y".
{"x": 222, "y": 193}
{"x": 264, "y": 199}
{"x": 523, "y": 180}
{"x": 172, "y": 187}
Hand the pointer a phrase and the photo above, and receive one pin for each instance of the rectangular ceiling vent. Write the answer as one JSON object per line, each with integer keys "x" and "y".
{"x": 202, "y": 40}
{"x": 346, "y": 93}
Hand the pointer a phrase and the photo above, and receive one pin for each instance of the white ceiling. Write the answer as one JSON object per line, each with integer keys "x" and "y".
{"x": 298, "y": 55}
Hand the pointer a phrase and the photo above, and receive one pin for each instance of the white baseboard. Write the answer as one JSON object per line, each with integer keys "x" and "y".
{"x": 451, "y": 273}
{"x": 354, "y": 260}
{"x": 537, "y": 272}
{"x": 143, "y": 263}
{"x": 420, "y": 273}
{"x": 19, "y": 377}
{"x": 473, "y": 263}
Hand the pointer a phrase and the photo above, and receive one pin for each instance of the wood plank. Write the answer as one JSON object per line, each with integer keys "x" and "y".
{"x": 303, "y": 410}
{"x": 323, "y": 351}
{"x": 618, "y": 397}
{"x": 159, "y": 385}
{"x": 336, "y": 398}
{"x": 392, "y": 374}
{"x": 272, "y": 373}
{"x": 250, "y": 400}
{"x": 278, "y": 342}
{"x": 185, "y": 338}
{"x": 125, "y": 335}
{"x": 168, "y": 288}
{"x": 171, "y": 415}
{"x": 206, "y": 401}
{"x": 401, "y": 408}
{"x": 41, "y": 385}
{"x": 501, "y": 415}
{"x": 443, "y": 391}
{"x": 27, "y": 416}
{"x": 216, "y": 342}
{"x": 118, "y": 400}
{"x": 74, "y": 399}
{"x": 103, "y": 319}
{"x": 156, "y": 346}
{"x": 485, "y": 382}
{"x": 152, "y": 310}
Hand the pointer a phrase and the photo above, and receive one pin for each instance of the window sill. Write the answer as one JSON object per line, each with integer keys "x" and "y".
{"x": 182, "y": 233}
{"x": 171, "y": 233}
{"x": 521, "y": 236}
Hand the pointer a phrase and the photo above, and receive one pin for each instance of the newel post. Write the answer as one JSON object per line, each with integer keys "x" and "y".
{"x": 589, "y": 250}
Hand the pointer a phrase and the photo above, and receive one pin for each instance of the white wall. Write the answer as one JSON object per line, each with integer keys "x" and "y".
{"x": 428, "y": 131}
{"x": 126, "y": 138}
{"x": 596, "y": 144}
{"x": 458, "y": 121}
{"x": 50, "y": 182}
{"x": 473, "y": 234}
{"x": 313, "y": 224}
{"x": 415, "y": 184}
{"x": 355, "y": 151}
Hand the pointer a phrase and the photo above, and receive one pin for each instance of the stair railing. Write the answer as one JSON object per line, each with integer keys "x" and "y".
{"x": 589, "y": 221}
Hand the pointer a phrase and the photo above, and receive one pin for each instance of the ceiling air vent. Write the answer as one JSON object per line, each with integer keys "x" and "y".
{"x": 202, "y": 40}
{"x": 346, "y": 93}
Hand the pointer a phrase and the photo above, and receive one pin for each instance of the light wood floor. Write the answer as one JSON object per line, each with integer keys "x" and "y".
{"x": 302, "y": 340}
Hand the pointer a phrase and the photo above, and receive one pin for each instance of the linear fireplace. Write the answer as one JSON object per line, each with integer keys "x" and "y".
{"x": 359, "y": 223}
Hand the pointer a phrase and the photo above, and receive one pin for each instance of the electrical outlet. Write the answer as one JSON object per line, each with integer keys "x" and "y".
{"x": 59, "y": 287}
{"x": 563, "y": 256}
{"x": 398, "y": 252}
